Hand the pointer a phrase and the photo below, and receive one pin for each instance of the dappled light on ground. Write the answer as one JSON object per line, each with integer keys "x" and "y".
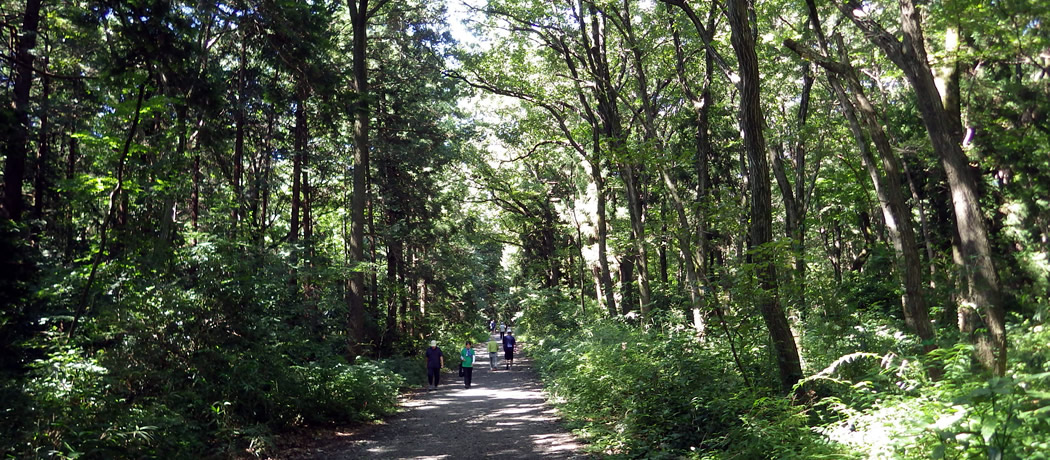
{"x": 503, "y": 415}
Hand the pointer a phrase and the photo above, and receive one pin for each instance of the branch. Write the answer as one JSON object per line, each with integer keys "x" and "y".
{"x": 705, "y": 37}
{"x": 14, "y": 62}
{"x": 551, "y": 108}
{"x": 117, "y": 190}
{"x": 531, "y": 151}
{"x": 812, "y": 56}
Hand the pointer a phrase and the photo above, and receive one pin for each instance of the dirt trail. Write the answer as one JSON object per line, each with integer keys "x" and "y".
{"x": 502, "y": 415}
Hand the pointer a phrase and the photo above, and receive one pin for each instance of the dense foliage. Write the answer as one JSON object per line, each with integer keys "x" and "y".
{"x": 175, "y": 247}
{"x": 732, "y": 229}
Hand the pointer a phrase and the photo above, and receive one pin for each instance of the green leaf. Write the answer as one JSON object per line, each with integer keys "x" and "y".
{"x": 938, "y": 452}
{"x": 988, "y": 427}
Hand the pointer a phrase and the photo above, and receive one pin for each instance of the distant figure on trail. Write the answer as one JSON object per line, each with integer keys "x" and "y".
{"x": 435, "y": 361}
{"x": 508, "y": 348}
{"x": 467, "y": 354}
{"x": 493, "y": 353}
{"x": 502, "y": 330}
{"x": 492, "y": 326}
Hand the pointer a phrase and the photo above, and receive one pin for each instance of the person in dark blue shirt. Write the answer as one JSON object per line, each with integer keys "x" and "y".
{"x": 435, "y": 361}
{"x": 508, "y": 348}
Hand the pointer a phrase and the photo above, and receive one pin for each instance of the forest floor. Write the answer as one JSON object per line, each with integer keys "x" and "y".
{"x": 504, "y": 414}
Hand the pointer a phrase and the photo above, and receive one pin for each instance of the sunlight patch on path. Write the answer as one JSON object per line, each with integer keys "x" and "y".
{"x": 503, "y": 415}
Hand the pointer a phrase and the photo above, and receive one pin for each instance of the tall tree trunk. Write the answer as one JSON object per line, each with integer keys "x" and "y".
{"x": 602, "y": 231}
{"x": 696, "y": 298}
{"x": 43, "y": 157}
{"x": 794, "y": 191}
{"x": 924, "y": 226}
{"x": 238, "y": 140}
{"x": 373, "y": 258}
{"x": 978, "y": 268}
{"x": 888, "y": 187}
{"x": 18, "y": 133}
{"x": 636, "y": 212}
{"x": 634, "y": 188}
{"x": 294, "y": 219}
{"x": 605, "y": 122}
{"x": 405, "y": 290}
{"x": 627, "y": 290}
{"x": 761, "y": 231}
{"x": 394, "y": 290}
{"x": 267, "y": 173}
{"x": 71, "y": 172}
{"x": 360, "y": 13}
{"x": 166, "y": 229}
{"x": 704, "y": 151}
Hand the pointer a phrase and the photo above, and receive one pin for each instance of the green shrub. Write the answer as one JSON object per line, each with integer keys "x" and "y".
{"x": 659, "y": 392}
{"x": 964, "y": 415}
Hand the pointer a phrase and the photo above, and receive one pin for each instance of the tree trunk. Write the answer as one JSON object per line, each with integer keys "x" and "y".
{"x": 696, "y": 298}
{"x": 704, "y": 151}
{"x": 294, "y": 220}
{"x": 195, "y": 195}
{"x": 71, "y": 172}
{"x": 636, "y": 212}
{"x": 238, "y": 141}
{"x": 794, "y": 191}
{"x": 978, "y": 268}
{"x": 662, "y": 249}
{"x": 632, "y": 169}
{"x": 360, "y": 13}
{"x": 43, "y": 157}
{"x": 602, "y": 231}
{"x": 889, "y": 189}
{"x": 761, "y": 231}
{"x": 18, "y": 133}
{"x": 627, "y": 291}
{"x": 927, "y": 236}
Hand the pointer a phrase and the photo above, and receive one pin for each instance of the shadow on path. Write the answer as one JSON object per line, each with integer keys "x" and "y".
{"x": 502, "y": 415}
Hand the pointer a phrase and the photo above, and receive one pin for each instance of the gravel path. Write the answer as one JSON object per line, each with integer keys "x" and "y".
{"x": 502, "y": 415}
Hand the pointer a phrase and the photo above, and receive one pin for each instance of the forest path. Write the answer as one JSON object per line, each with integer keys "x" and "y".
{"x": 502, "y": 415}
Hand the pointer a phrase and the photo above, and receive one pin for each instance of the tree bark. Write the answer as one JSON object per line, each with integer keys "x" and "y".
{"x": 603, "y": 235}
{"x": 295, "y": 219}
{"x": 360, "y": 13}
{"x": 18, "y": 133}
{"x": 627, "y": 291}
{"x": 896, "y": 214}
{"x": 761, "y": 230}
{"x": 977, "y": 265}
{"x": 696, "y": 298}
{"x": 43, "y": 157}
{"x": 71, "y": 172}
{"x": 704, "y": 151}
{"x": 238, "y": 141}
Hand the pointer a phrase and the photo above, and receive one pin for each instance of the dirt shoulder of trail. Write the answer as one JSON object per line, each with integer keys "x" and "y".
{"x": 503, "y": 414}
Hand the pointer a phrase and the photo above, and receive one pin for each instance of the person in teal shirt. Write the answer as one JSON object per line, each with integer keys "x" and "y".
{"x": 467, "y": 355}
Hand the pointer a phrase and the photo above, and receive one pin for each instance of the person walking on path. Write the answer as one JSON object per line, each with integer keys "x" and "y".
{"x": 493, "y": 353}
{"x": 508, "y": 348}
{"x": 467, "y": 355}
{"x": 502, "y": 330}
{"x": 492, "y": 326}
{"x": 435, "y": 361}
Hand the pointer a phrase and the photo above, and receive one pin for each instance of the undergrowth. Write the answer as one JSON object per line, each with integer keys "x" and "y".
{"x": 659, "y": 392}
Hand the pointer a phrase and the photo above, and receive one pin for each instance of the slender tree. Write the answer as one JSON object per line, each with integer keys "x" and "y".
{"x": 976, "y": 261}
{"x": 760, "y": 233}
